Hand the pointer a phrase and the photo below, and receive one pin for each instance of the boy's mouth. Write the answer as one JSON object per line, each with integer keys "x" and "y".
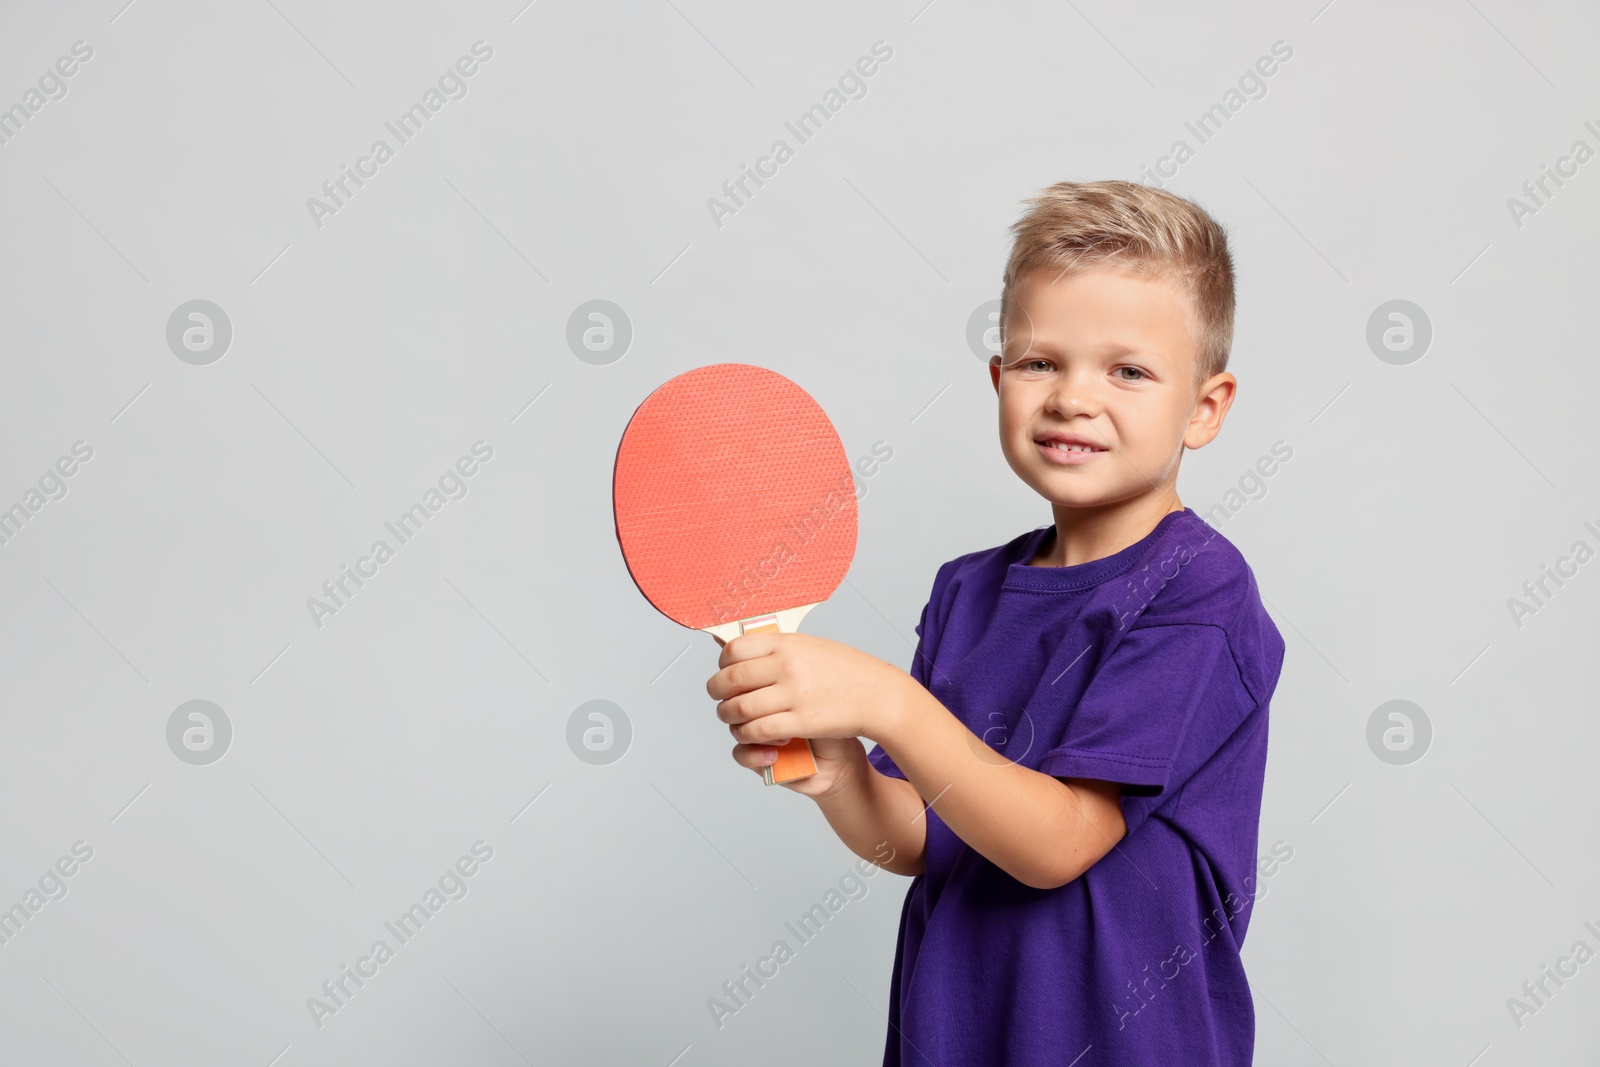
{"x": 1071, "y": 442}
{"x": 1068, "y": 449}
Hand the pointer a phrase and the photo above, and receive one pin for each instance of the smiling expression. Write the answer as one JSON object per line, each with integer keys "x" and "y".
{"x": 1097, "y": 386}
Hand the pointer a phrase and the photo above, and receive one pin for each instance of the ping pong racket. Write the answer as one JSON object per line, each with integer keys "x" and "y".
{"x": 735, "y": 509}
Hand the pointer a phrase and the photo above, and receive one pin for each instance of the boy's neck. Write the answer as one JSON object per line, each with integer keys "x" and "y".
{"x": 1083, "y": 535}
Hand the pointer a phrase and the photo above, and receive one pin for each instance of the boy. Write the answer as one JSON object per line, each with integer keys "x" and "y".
{"x": 1086, "y": 714}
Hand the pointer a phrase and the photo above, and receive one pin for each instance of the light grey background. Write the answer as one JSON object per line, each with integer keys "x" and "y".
{"x": 431, "y": 312}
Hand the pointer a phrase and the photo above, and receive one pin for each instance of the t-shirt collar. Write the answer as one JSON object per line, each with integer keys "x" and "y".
{"x": 1019, "y": 575}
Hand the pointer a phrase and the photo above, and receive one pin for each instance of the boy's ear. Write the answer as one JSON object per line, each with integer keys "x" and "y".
{"x": 994, "y": 373}
{"x": 1210, "y": 408}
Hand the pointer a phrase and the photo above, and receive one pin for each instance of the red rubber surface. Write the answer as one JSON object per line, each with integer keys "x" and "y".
{"x": 733, "y": 497}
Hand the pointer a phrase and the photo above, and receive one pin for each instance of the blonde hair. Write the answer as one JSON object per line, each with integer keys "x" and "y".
{"x": 1138, "y": 229}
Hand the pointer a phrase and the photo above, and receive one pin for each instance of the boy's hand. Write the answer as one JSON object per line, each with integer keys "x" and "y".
{"x": 838, "y": 760}
{"x": 773, "y": 687}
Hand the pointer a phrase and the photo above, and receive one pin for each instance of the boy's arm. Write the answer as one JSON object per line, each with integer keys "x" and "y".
{"x": 1043, "y": 831}
{"x": 868, "y": 808}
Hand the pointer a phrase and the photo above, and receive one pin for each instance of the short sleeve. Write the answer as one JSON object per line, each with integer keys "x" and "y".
{"x": 1140, "y": 703}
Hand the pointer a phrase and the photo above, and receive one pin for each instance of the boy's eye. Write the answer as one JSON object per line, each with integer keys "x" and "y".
{"x": 1135, "y": 370}
{"x": 1037, "y": 363}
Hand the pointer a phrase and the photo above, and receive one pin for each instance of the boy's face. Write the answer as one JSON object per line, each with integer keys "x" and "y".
{"x": 1108, "y": 358}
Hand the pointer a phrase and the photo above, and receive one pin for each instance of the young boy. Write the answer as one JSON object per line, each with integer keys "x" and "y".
{"x": 1072, "y": 770}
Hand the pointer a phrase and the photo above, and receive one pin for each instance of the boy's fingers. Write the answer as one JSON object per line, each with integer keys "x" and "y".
{"x": 741, "y": 677}
{"x": 754, "y": 757}
{"x": 760, "y": 723}
{"x": 747, "y": 646}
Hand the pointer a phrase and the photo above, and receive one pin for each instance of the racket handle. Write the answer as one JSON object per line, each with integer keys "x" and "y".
{"x": 794, "y": 758}
{"x": 794, "y": 761}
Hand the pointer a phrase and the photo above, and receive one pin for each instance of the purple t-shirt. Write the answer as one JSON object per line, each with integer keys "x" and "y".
{"x": 1152, "y": 667}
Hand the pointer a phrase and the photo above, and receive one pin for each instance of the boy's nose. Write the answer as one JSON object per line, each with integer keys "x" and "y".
{"x": 1072, "y": 396}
